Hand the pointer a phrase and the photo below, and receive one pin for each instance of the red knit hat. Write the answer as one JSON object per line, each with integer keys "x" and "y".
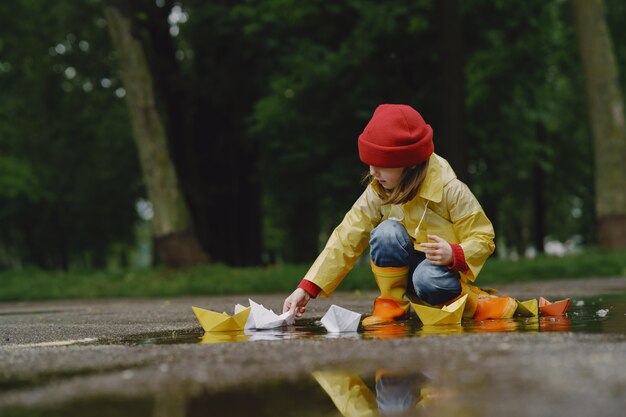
{"x": 396, "y": 137}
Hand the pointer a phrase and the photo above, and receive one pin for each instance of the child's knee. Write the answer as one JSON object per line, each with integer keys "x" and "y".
{"x": 435, "y": 284}
{"x": 389, "y": 232}
{"x": 389, "y": 244}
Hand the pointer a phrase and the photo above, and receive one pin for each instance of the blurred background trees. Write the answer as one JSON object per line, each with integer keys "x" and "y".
{"x": 261, "y": 104}
{"x": 69, "y": 175}
{"x": 606, "y": 112}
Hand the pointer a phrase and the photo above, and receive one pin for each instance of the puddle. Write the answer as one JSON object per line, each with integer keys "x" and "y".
{"x": 95, "y": 408}
{"x": 325, "y": 392}
{"x": 584, "y": 316}
{"x": 305, "y": 328}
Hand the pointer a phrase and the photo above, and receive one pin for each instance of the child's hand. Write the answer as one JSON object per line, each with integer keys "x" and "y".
{"x": 438, "y": 253}
{"x": 297, "y": 300}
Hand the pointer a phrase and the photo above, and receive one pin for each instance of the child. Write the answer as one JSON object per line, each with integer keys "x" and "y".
{"x": 428, "y": 234}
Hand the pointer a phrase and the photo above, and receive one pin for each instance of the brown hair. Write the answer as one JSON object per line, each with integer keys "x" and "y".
{"x": 410, "y": 181}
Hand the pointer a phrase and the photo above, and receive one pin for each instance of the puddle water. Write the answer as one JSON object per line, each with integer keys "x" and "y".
{"x": 325, "y": 392}
{"x": 585, "y": 315}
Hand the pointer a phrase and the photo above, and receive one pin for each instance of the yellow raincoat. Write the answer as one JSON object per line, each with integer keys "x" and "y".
{"x": 447, "y": 206}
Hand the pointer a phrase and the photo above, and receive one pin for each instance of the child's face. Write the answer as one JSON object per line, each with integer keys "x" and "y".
{"x": 388, "y": 178}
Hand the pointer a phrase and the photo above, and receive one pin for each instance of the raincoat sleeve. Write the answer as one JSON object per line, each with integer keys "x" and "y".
{"x": 346, "y": 243}
{"x": 471, "y": 226}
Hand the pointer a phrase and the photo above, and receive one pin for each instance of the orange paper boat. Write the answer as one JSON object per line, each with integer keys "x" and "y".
{"x": 557, "y": 308}
{"x": 495, "y": 308}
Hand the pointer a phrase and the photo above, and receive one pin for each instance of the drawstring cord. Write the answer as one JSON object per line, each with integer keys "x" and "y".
{"x": 417, "y": 229}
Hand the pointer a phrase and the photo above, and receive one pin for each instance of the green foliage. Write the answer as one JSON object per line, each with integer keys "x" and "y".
{"x": 34, "y": 284}
{"x": 273, "y": 94}
{"x": 589, "y": 264}
{"x": 338, "y": 61}
{"x": 68, "y": 167}
{"x": 17, "y": 179}
{"x": 527, "y": 115}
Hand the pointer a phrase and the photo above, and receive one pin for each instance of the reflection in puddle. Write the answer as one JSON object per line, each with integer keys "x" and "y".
{"x": 224, "y": 337}
{"x": 325, "y": 392}
{"x": 391, "y": 392}
{"x": 396, "y": 392}
{"x": 442, "y": 330}
{"x": 392, "y": 330}
{"x": 582, "y": 317}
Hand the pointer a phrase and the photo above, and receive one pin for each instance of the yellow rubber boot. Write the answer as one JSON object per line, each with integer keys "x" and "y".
{"x": 391, "y": 304}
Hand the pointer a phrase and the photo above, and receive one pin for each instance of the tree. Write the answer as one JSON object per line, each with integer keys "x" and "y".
{"x": 258, "y": 106}
{"x": 69, "y": 176}
{"x": 529, "y": 149}
{"x": 451, "y": 136}
{"x": 337, "y": 62}
{"x": 605, "y": 105}
{"x": 174, "y": 237}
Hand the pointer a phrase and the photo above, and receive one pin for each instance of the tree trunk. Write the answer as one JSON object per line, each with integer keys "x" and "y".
{"x": 606, "y": 111}
{"x": 174, "y": 238}
{"x": 451, "y": 138}
{"x": 539, "y": 198}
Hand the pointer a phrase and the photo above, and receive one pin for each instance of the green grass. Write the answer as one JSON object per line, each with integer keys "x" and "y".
{"x": 34, "y": 284}
{"x": 591, "y": 264}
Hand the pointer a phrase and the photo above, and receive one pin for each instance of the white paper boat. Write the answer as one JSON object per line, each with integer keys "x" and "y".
{"x": 261, "y": 318}
{"x": 338, "y": 319}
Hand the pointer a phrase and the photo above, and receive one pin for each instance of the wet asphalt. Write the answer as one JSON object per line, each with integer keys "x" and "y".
{"x": 56, "y": 355}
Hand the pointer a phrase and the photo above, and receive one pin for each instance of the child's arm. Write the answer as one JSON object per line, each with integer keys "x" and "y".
{"x": 342, "y": 250}
{"x": 471, "y": 226}
{"x": 346, "y": 243}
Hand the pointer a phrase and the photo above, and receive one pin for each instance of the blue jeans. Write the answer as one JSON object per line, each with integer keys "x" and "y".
{"x": 391, "y": 245}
